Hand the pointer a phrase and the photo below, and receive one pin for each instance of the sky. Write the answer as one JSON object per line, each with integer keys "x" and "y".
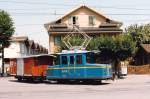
{"x": 29, "y": 16}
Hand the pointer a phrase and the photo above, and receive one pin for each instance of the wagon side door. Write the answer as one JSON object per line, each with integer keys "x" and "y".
{"x": 20, "y": 66}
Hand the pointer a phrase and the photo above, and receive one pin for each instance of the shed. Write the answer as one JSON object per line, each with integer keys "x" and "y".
{"x": 142, "y": 56}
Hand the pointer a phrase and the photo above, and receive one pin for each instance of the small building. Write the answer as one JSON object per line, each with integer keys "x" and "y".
{"x": 20, "y": 47}
{"x": 17, "y": 47}
{"x": 86, "y": 19}
{"x": 142, "y": 56}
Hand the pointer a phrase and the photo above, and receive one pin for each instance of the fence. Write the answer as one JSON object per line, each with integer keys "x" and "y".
{"x": 144, "y": 69}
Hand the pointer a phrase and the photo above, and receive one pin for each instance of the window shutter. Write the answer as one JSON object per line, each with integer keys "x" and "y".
{"x": 92, "y": 20}
{"x": 77, "y": 22}
{"x": 70, "y": 20}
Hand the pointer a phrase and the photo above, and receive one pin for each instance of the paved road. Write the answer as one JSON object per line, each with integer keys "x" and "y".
{"x": 132, "y": 87}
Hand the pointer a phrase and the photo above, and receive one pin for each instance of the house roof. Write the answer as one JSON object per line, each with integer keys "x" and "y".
{"x": 37, "y": 46}
{"x": 87, "y": 30}
{"x": 146, "y": 47}
{"x": 31, "y": 43}
{"x": 77, "y": 8}
{"x": 19, "y": 38}
{"x": 40, "y": 47}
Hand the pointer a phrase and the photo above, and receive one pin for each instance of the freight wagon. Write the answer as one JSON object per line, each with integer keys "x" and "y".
{"x": 30, "y": 67}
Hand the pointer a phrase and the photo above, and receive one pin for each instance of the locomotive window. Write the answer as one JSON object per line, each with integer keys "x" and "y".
{"x": 57, "y": 60}
{"x": 90, "y": 58}
{"x": 79, "y": 59}
{"x": 64, "y": 60}
{"x": 71, "y": 60}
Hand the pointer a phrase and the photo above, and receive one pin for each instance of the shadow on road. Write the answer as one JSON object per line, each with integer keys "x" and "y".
{"x": 27, "y": 81}
{"x": 61, "y": 83}
{"x": 76, "y": 83}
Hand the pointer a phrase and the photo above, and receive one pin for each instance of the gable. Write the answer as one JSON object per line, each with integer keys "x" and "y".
{"x": 85, "y": 10}
{"x": 83, "y": 13}
{"x": 83, "y": 16}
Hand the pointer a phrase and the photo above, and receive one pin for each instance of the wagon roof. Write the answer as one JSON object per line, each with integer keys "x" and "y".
{"x": 30, "y": 56}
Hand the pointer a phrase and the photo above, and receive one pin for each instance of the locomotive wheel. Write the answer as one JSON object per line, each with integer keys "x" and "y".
{"x": 61, "y": 81}
{"x": 89, "y": 81}
{"x": 41, "y": 80}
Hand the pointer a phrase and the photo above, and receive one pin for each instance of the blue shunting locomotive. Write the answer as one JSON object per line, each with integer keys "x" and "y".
{"x": 78, "y": 65}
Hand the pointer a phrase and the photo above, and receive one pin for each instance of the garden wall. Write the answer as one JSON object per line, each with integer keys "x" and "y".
{"x": 144, "y": 69}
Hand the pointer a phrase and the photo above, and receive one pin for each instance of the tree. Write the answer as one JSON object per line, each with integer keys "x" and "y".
{"x": 6, "y": 31}
{"x": 139, "y": 33}
{"x": 121, "y": 47}
{"x": 106, "y": 47}
{"x": 136, "y": 32}
{"x": 125, "y": 47}
{"x": 93, "y": 45}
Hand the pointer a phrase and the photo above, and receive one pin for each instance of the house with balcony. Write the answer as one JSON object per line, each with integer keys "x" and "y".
{"x": 92, "y": 22}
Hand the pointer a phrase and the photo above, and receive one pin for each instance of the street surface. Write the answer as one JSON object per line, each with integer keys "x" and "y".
{"x": 132, "y": 87}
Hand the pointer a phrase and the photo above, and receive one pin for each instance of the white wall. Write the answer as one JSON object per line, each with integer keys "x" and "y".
{"x": 13, "y": 50}
{"x": 83, "y": 18}
{"x": 18, "y": 49}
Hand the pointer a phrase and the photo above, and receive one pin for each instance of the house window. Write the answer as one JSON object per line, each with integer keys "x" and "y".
{"x": 22, "y": 48}
{"x": 57, "y": 40}
{"x": 91, "y": 20}
{"x": 73, "y": 20}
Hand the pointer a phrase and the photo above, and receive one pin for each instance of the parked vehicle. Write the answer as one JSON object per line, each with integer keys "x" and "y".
{"x": 124, "y": 68}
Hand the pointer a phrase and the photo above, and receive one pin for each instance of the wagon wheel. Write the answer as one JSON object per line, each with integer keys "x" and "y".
{"x": 20, "y": 79}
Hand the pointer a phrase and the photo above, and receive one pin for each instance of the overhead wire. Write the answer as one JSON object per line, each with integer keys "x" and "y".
{"x": 59, "y": 4}
{"x": 46, "y": 13}
{"x": 38, "y": 13}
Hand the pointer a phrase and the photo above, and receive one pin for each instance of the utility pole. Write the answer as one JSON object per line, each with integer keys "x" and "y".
{"x": 3, "y": 61}
{"x": 55, "y": 13}
{"x": 83, "y": 2}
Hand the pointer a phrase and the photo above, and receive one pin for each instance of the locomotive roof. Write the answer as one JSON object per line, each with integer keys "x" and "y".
{"x": 73, "y": 52}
